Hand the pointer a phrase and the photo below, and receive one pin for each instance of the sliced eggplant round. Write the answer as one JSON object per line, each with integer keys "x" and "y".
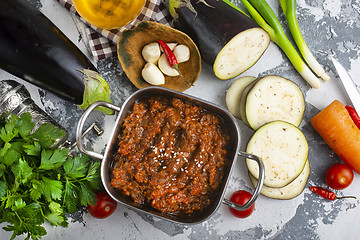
{"x": 233, "y": 94}
{"x": 292, "y": 190}
{"x": 227, "y": 39}
{"x": 283, "y": 149}
{"x": 274, "y": 98}
{"x": 243, "y": 102}
{"x": 241, "y": 53}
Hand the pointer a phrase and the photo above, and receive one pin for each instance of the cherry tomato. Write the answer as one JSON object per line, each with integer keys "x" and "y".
{"x": 339, "y": 176}
{"x": 104, "y": 207}
{"x": 241, "y": 197}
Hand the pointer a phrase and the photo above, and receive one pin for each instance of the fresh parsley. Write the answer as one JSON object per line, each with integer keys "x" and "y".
{"x": 38, "y": 183}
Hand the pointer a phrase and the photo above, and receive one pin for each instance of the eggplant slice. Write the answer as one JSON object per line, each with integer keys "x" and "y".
{"x": 290, "y": 191}
{"x": 233, "y": 94}
{"x": 273, "y": 98}
{"x": 283, "y": 149}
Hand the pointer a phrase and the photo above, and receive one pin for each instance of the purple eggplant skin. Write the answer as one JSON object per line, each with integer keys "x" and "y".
{"x": 34, "y": 49}
{"x": 212, "y": 26}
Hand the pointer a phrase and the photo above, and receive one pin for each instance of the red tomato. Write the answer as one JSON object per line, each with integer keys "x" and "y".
{"x": 241, "y": 197}
{"x": 339, "y": 176}
{"x": 104, "y": 207}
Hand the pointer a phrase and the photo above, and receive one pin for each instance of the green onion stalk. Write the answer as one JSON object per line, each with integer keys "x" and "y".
{"x": 289, "y": 8}
{"x": 266, "y": 18}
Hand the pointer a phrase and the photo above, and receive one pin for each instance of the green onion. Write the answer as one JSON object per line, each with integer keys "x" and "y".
{"x": 234, "y": 6}
{"x": 266, "y": 18}
{"x": 289, "y": 8}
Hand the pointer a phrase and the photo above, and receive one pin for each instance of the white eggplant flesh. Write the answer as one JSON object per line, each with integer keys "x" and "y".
{"x": 233, "y": 94}
{"x": 243, "y": 102}
{"x": 241, "y": 53}
{"x": 274, "y": 98}
{"x": 283, "y": 149}
{"x": 290, "y": 191}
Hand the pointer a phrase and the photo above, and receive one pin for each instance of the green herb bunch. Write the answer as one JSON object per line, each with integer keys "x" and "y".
{"x": 38, "y": 183}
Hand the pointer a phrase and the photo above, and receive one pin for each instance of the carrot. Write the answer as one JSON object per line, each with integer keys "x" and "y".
{"x": 339, "y": 131}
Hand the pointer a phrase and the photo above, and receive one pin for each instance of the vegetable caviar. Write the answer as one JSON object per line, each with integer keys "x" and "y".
{"x": 172, "y": 155}
{"x": 39, "y": 183}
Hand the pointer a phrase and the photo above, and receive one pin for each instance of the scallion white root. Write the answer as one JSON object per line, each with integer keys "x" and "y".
{"x": 289, "y": 8}
{"x": 266, "y": 18}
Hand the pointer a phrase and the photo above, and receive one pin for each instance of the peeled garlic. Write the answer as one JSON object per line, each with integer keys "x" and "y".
{"x": 152, "y": 74}
{"x": 151, "y": 52}
{"x": 171, "y": 46}
{"x": 182, "y": 53}
{"x": 165, "y": 66}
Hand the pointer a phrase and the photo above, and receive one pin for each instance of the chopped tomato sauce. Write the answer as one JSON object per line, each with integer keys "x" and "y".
{"x": 171, "y": 155}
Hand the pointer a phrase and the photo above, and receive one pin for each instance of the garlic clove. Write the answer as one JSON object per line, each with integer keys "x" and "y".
{"x": 165, "y": 66}
{"x": 171, "y": 46}
{"x": 182, "y": 53}
{"x": 152, "y": 74}
{"x": 151, "y": 52}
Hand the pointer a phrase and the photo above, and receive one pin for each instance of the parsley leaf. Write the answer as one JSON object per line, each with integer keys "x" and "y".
{"x": 87, "y": 196}
{"x": 2, "y": 169}
{"x": 33, "y": 149}
{"x": 51, "y": 159}
{"x": 22, "y": 171}
{"x": 25, "y": 125}
{"x": 52, "y": 189}
{"x": 3, "y": 188}
{"x": 10, "y": 153}
{"x": 93, "y": 175}
{"x": 47, "y": 135}
{"x": 9, "y": 131}
{"x": 28, "y": 220}
{"x": 36, "y": 191}
{"x": 71, "y": 197}
{"x": 39, "y": 183}
{"x": 54, "y": 218}
{"x": 76, "y": 168}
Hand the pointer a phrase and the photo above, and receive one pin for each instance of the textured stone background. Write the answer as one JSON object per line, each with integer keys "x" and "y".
{"x": 331, "y": 28}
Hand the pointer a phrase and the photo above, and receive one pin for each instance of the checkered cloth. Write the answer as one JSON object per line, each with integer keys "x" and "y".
{"x": 103, "y": 42}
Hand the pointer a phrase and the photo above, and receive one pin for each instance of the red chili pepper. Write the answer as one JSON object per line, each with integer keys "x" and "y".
{"x": 354, "y": 115}
{"x": 327, "y": 193}
{"x": 171, "y": 58}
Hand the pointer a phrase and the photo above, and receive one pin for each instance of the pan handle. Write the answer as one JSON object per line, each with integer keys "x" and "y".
{"x": 82, "y": 121}
{"x": 257, "y": 188}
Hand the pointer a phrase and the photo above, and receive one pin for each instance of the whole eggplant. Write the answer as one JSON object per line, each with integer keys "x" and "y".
{"x": 227, "y": 39}
{"x": 34, "y": 49}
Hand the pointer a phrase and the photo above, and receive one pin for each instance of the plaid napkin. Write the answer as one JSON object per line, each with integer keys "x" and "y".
{"x": 103, "y": 42}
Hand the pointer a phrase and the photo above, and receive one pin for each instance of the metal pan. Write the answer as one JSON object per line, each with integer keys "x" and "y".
{"x": 111, "y": 148}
